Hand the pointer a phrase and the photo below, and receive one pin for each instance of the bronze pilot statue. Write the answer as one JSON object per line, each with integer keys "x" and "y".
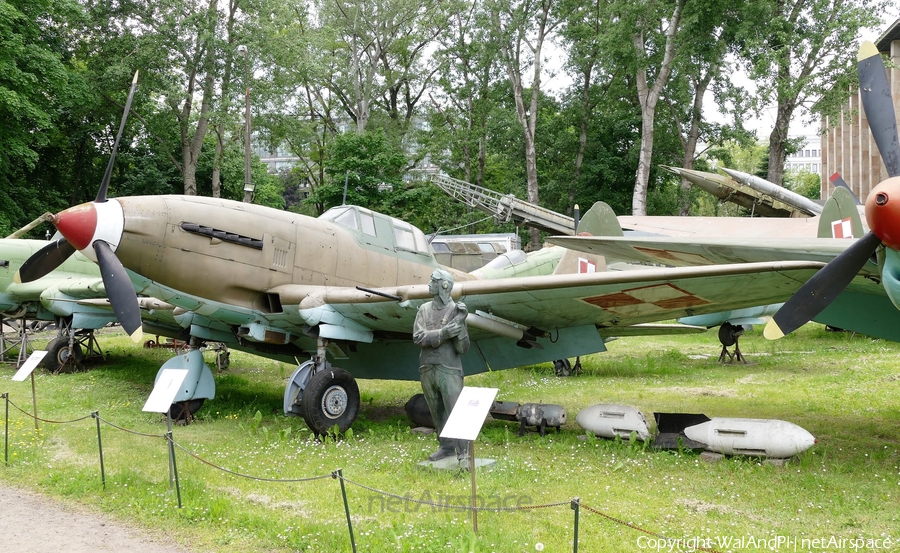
{"x": 440, "y": 330}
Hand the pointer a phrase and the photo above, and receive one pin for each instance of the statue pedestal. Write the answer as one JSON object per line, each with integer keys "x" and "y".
{"x": 451, "y": 463}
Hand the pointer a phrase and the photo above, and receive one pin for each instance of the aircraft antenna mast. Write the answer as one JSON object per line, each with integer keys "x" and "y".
{"x": 248, "y": 182}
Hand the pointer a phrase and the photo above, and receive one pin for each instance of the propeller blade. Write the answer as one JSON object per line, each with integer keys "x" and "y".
{"x": 43, "y": 261}
{"x": 104, "y": 185}
{"x": 875, "y": 93}
{"x": 819, "y": 291}
{"x": 838, "y": 181}
{"x": 119, "y": 290}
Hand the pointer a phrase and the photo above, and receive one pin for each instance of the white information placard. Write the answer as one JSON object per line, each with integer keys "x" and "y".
{"x": 467, "y": 417}
{"x": 29, "y": 365}
{"x": 164, "y": 391}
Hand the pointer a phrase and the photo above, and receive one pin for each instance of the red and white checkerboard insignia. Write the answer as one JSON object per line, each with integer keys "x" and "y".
{"x": 842, "y": 228}
{"x": 646, "y": 299}
{"x": 586, "y": 266}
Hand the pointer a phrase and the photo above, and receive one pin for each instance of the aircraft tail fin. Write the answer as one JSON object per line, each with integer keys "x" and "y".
{"x": 573, "y": 262}
{"x": 840, "y": 216}
{"x": 600, "y": 220}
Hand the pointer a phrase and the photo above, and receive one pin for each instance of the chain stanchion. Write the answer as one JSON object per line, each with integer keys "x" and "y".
{"x": 340, "y": 476}
{"x": 96, "y": 416}
{"x": 576, "y": 506}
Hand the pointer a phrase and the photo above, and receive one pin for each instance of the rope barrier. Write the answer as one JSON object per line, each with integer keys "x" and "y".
{"x": 260, "y": 478}
{"x": 448, "y": 506}
{"x": 135, "y": 432}
{"x": 639, "y": 529}
{"x": 337, "y": 474}
{"x": 26, "y": 413}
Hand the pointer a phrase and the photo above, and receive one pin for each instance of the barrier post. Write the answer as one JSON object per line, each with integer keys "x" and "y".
{"x": 96, "y": 415}
{"x": 339, "y": 474}
{"x": 474, "y": 492}
{"x": 34, "y": 401}
{"x": 6, "y": 431}
{"x": 576, "y": 506}
{"x": 173, "y": 465}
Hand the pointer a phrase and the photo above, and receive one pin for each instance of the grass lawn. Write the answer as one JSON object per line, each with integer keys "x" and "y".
{"x": 842, "y": 388}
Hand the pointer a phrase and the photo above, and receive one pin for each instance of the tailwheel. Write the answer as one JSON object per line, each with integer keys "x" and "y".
{"x": 331, "y": 397}
{"x": 184, "y": 411}
{"x": 61, "y": 358}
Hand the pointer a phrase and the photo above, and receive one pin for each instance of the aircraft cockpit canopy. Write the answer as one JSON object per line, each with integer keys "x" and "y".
{"x": 379, "y": 227}
{"x": 508, "y": 259}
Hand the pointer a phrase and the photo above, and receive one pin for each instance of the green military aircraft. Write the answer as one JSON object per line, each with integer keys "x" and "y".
{"x": 344, "y": 288}
{"x": 65, "y": 296}
{"x": 72, "y": 296}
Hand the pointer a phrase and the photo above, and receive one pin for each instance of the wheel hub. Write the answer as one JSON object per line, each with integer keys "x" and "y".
{"x": 334, "y": 402}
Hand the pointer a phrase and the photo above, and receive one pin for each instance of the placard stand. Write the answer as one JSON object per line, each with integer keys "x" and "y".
{"x": 167, "y": 386}
{"x": 464, "y": 423}
{"x": 28, "y": 370}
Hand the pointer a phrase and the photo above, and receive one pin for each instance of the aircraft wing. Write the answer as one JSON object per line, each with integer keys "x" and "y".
{"x": 756, "y": 227}
{"x": 862, "y": 307}
{"x": 567, "y": 315}
{"x": 709, "y": 251}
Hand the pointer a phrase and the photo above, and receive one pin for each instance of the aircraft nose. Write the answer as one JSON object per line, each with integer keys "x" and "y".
{"x": 77, "y": 224}
{"x": 85, "y": 224}
{"x": 883, "y": 211}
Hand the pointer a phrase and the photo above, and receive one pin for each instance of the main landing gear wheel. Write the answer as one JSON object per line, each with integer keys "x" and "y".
{"x": 331, "y": 397}
{"x": 184, "y": 411}
{"x": 60, "y": 357}
{"x": 562, "y": 367}
{"x": 728, "y": 336}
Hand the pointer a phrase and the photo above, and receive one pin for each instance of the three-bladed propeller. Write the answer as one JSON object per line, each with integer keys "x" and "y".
{"x": 881, "y": 212}
{"x": 118, "y": 286}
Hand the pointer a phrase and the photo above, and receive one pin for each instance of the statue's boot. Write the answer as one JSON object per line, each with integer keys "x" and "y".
{"x": 446, "y": 449}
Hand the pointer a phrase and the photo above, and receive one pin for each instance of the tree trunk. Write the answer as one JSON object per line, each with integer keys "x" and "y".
{"x": 226, "y": 103}
{"x": 582, "y": 136}
{"x": 192, "y": 145}
{"x": 648, "y": 97}
{"x": 528, "y": 119}
{"x": 642, "y": 176}
{"x": 778, "y": 143}
{"x": 690, "y": 144}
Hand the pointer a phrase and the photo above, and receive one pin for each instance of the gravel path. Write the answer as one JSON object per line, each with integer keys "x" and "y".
{"x": 31, "y": 523}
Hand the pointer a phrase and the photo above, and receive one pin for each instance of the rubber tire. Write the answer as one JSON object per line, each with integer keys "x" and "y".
{"x": 223, "y": 360}
{"x": 58, "y": 353}
{"x": 729, "y": 333}
{"x": 332, "y": 386}
{"x": 562, "y": 367}
{"x": 184, "y": 411}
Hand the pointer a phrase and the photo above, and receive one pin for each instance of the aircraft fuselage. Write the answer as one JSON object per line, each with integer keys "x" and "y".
{"x": 234, "y": 252}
